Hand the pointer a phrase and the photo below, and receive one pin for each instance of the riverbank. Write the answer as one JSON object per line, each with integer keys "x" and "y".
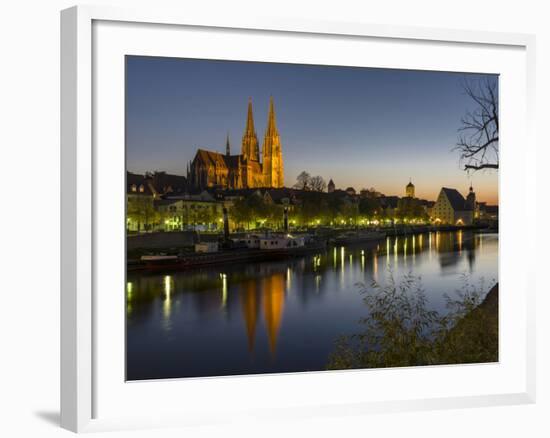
{"x": 138, "y": 246}
{"x": 401, "y": 331}
{"x": 474, "y": 338}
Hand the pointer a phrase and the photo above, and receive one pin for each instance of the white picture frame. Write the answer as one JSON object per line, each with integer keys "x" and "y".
{"x": 85, "y": 374}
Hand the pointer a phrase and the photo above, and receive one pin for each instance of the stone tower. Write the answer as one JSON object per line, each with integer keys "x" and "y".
{"x": 272, "y": 152}
{"x": 471, "y": 199}
{"x": 331, "y": 186}
{"x": 409, "y": 190}
{"x": 250, "y": 150}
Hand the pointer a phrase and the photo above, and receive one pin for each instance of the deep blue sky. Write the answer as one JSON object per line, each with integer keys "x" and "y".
{"x": 361, "y": 127}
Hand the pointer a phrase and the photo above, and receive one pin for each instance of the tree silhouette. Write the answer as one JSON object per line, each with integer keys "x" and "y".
{"x": 478, "y": 139}
{"x": 302, "y": 181}
{"x": 317, "y": 183}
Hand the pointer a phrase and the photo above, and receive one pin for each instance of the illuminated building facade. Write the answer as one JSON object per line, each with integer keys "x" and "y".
{"x": 246, "y": 170}
{"x": 452, "y": 208}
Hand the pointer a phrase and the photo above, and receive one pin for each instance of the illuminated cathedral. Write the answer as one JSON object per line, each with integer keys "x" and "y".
{"x": 211, "y": 169}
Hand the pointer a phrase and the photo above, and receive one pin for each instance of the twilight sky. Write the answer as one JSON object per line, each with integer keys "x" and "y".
{"x": 361, "y": 127}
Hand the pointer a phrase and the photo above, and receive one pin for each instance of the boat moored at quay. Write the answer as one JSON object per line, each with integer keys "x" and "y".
{"x": 251, "y": 248}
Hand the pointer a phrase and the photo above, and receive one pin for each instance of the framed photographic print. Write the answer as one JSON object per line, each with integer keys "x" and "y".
{"x": 257, "y": 208}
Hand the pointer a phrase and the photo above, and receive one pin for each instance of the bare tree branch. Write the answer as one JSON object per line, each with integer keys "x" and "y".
{"x": 478, "y": 141}
{"x": 482, "y": 166}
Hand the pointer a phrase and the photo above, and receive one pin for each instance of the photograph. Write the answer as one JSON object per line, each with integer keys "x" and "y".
{"x": 288, "y": 218}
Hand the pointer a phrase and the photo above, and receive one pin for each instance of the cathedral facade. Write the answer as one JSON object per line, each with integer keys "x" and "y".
{"x": 246, "y": 170}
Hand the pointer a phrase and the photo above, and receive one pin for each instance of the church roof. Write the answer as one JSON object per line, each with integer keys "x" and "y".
{"x": 211, "y": 158}
{"x": 226, "y": 161}
{"x": 410, "y": 184}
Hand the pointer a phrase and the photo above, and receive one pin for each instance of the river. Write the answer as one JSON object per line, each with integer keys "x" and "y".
{"x": 284, "y": 316}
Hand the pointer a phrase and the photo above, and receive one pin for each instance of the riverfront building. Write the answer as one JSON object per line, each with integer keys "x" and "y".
{"x": 452, "y": 208}
{"x": 246, "y": 170}
{"x": 199, "y": 211}
{"x": 139, "y": 202}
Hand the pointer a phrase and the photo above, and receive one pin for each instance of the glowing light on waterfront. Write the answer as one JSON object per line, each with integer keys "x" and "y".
{"x": 317, "y": 282}
{"x": 375, "y": 266}
{"x": 167, "y": 286}
{"x": 459, "y": 237}
{"x": 342, "y": 270}
{"x": 288, "y": 279}
{"x": 167, "y": 305}
{"x": 224, "y": 289}
{"x": 129, "y": 290}
{"x": 316, "y": 262}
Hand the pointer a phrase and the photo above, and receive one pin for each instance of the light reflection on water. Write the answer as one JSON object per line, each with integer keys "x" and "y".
{"x": 283, "y": 316}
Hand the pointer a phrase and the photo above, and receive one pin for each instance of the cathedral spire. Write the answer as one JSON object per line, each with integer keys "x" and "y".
{"x": 271, "y": 123}
{"x": 272, "y": 162}
{"x": 227, "y": 146}
{"x": 250, "y": 119}
{"x": 250, "y": 148}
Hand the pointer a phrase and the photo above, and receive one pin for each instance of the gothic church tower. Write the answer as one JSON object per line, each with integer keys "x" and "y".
{"x": 250, "y": 149}
{"x": 272, "y": 152}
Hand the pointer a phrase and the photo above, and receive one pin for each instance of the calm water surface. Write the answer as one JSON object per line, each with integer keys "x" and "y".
{"x": 284, "y": 316}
